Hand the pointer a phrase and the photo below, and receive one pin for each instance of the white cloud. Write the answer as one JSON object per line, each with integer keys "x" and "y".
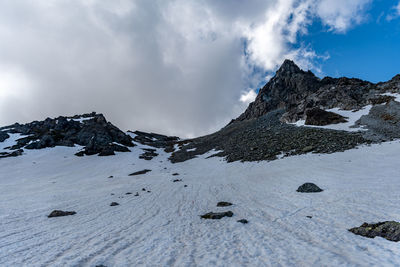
{"x": 248, "y": 97}
{"x": 395, "y": 13}
{"x": 175, "y": 67}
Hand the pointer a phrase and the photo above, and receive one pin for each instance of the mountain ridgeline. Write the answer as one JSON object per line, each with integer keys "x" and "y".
{"x": 265, "y": 131}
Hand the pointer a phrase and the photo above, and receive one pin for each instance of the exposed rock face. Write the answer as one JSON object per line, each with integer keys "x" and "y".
{"x": 389, "y": 230}
{"x": 296, "y": 91}
{"x": 89, "y": 130}
{"x": 309, "y": 188}
{"x": 224, "y": 204}
{"x": 156, "y": 140}
{"x": 320, "y": 117}
{"x": 3, "y": 136}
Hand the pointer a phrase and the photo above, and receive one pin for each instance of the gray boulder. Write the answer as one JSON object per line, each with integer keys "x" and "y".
{"x": 309, "y": 188}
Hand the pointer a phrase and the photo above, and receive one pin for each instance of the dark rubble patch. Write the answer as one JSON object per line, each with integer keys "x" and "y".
{"x": 217, "y": 215}
{"x": 389, "y": 230}
{"x": 140, "y": 172}
{"x": 60, "y": 213}
{"x": 148, "y": 154}
{"x": 224, "y": 204}
{"x": 266, "y": 138}
{"x": 176, "y": 180}
{"x": 309, "y": 188}
{"x": 156, "y": 140}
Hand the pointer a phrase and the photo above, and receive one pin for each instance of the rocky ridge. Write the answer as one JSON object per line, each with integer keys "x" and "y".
{"x": 92, "y": 131}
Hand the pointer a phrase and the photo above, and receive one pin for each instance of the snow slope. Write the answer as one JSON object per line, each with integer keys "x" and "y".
{"x": 163, "y": 227}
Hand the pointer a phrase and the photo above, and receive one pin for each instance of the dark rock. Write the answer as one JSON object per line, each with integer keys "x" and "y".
{"x": 110, "y": 176}
{"x": 185, "y": 185}
{"x": 128, "y": 193}
{"x": 320, "y": 117}
{"x": 80, "y": 154}
{"x": 137, "y": 194}
{"x": 94, "y": 133}
{"x": 177, "y": 180}
{"x": 175, "y": 174}
{"x": 3, "y": 136}
{"x": 309, "y": 188}
{"x": 143, "y": 189}
{"x": 148, "y": 191}
{"x": 155, "y": 140}
{"x": 244, "y": 221}
{"x": 217, "y": 215}
{"x": 149, "y": 154}
{"x": 59, "y": 213}
{"x": 224, "y": 204}
{"x": 389, "y": 230}
{"x": 114, "y": 204}
{"x": 15, "y": 153}
{"x": 140, "y": 172}
{"x": 309, "y": 217}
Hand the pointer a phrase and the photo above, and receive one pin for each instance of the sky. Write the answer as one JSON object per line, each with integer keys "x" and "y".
{"x": 180, "y": 67}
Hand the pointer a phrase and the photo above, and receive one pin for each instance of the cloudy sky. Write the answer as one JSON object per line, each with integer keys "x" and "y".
{"x": 181, "y": 67}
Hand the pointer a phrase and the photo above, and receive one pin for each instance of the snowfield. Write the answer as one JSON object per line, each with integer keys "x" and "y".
{"x": 163, "y": 227}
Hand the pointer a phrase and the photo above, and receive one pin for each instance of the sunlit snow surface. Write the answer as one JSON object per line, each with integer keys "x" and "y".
{"x": 163, "y": 227}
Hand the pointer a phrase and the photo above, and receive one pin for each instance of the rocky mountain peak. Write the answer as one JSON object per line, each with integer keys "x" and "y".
{"x": 288, "y": 67}
{"x": 295, "y": 91}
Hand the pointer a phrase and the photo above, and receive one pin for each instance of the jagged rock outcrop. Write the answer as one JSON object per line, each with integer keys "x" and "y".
{"x": 295, "y": 91}
{"x": 320, "y": 117}
{"x": 89, "y": 130}
{"x": 156, "y": 140}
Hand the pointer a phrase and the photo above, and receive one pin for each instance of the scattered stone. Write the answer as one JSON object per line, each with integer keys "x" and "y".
{"x": 137, "y": 194}
{"x": 217, "y": 215}
{"x": 185, "y": 185}
{"x": 320, "y": 117}
{"x": 143, "y": 189}
{"x": 309, "y": 217}
{"x": 140, "y": 172}
{"x": 128, "y": 193}
{"x": 114, "y": 204}
{"x": 59, "y": 213}
{"x": 177, "y": 180}
{"x": 112, "y": 194}
{"x": 110, "y": 176}
{"x": 148, "y": 191}
{"x": 244, "y": 221}
{"x": 307, "y": 149}
{"x": 224, "y": 204}
{"x": 389, "y": 230}
{"x": 309, "y": 188}
{"x": 175, "y": 174}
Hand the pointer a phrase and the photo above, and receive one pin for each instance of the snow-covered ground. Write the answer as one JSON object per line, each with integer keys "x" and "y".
{"x": 163, "y": 227}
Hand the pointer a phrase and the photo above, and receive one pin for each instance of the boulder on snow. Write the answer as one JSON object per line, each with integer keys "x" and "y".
{"x": 177, "y": 180}
{"x": 320, "y": 117}
{"x": 59, "y": 213}
{"x": 309, "y": 188}
{"x": 244, "y": 221}
{"x": 114, "y": 204}
{"x": 140, "y": 172}
{"x": 224, "y": 204}
{"x": 389, "y": 230}
{"x": 217, "y": 215}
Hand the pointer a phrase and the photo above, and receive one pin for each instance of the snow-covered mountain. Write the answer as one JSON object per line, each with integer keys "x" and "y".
{"x": 136, "y": 198}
